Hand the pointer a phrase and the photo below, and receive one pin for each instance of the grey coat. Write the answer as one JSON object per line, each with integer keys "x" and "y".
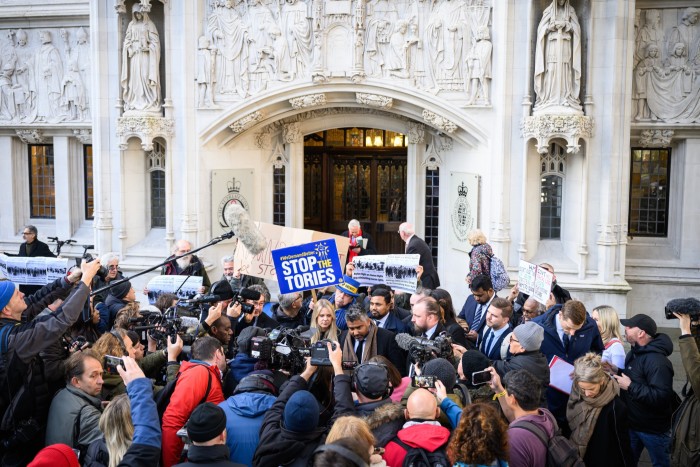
{"x": 63, "y": 427}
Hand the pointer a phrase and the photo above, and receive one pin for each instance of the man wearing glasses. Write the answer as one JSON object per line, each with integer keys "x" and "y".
{"x": 286, "y": 311}
{"x": 32, "y": 247}
{"x": 111, "y": 262}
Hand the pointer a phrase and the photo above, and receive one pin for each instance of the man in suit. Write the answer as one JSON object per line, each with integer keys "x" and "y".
{"x": 32, "y": 247}
{"x": 426, "y": 318}
{"x": 477, "y": 304}
{"x": 364, "y": 340}
{"x": 497, "y": 329}
{"x": 380, "y": 310}
{"x": 415, "y": 245}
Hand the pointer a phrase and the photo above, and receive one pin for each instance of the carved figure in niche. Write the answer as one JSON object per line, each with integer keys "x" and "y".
{"x": 687, "y": 33}
{"x": 8, "y": 109}
{"x": 25, "y": 99}
{"x": 49, "y": 76}
{"x": 414, "y": 56}
{"x": 650, "y": 64}
{"x": 140, "y": 77}
{"x": 73, "y": 92}
{"x": 261, "y": 22}
{"x": 558, "y": 57}
{"x": 396, "y": 59}
{"x": 479, "y": 68}
{"x": 678, "y": 63}
{"x": 297, "y": 32}
{"x": 81, "y": 54}
{"x": 650, "y": 33}
{"x": 204, "y": 77}
{"x": 382, "y": 15}
{"x": 230, "y": 38}
{"x": 446, "y": 34}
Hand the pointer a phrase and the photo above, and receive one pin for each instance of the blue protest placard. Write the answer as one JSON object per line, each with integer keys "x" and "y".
{"x": 308, "y": 266}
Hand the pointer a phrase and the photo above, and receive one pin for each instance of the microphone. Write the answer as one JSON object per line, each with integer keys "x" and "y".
{"x": 683, "y": 306}
{"x": 226, "y": 236}
{"x": 250, "y": 294}
{"x": 209, "y": 298}
{"x": 239, "y": 220}
{"x": 405, "y": 341}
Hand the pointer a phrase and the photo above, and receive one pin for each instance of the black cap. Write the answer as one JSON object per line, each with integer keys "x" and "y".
{"x": 207, "y": 421}
{"x": 223, "y": 289}
{"x": 371, "y": 380}
{"x": 643, "y": 322}
{"x": 250, "y": 294}
{"x": 120, "y": 290}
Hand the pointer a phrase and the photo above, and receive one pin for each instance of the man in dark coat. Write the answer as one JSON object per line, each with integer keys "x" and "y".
{"x": 206, "y": 428}
{"x": 189, "y": 265}
{"x": 477, "y": 305}
{"x": 358, "y": 238}
{"x": 32, "y": 247}
{"x": 415, "y": 245}
{"x": 380, "y": 310}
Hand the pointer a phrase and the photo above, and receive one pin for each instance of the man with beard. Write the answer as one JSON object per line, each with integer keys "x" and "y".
{"x": 188, "y": 265}
{"x": 233, "y": 275}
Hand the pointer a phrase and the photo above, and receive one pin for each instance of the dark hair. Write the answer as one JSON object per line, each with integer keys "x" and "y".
{"x": 394, "y": 374}
{"x": 355, "y": 312}
{"x": 504, "y": 305}
{"x": 31, "y": 228}
{"x": 220, "y": 321}
{"x": 524, "y": 387}
{"x": 384, "y": 293}
{"x": 482, "y": 281}
{"x": 574, "y": 311}
{"x": 335, "y": 453}
{"x": 481, "y": 436}
{"x": 165, "y": 301}
{"x": 444, "y": 299}
{"x": 75, "y": 364}
{"x": 133, "y": 337}
{"x": 205, "y": 347}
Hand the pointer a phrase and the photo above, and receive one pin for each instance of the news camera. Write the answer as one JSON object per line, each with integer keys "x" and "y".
{"x": 182, "y": 319}
{"x": 282, "y": 349}
{"x": 421, "y": 349}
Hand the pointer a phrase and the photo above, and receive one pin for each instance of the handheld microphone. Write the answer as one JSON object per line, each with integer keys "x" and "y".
{"x": 240, "y": 222}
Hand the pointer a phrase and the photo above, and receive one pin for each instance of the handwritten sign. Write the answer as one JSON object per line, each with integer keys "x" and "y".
{"x": 308, "y": 266}
{"x": 534, "y": 281}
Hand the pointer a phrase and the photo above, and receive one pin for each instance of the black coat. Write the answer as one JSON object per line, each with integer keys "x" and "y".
{"x": 610, "y": 443}
{"x": 371, "y": 249}
{"x": 215, "y": 456}
{"x": 40, "y": 249}
{"x": 386, "y": 346}
{"x": 429, "y": 279}
{"x": 535, "y": 362}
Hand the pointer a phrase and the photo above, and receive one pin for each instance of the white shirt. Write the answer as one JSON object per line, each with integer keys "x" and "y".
{"x": 429, "y": 333}
{"x": 496, "y": 335}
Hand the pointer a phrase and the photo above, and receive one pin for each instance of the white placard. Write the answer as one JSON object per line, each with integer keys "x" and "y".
{"x": 464, "y": 205}
{"x": 185, "y": 287}
{"x": 33, "y": 270}
{"x": 560, "y": 374}
{"x": 396, "y": 271}
{"x": 535, "y": 281}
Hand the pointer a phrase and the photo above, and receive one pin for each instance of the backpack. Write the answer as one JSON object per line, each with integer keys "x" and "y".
{"x": 419, "y": 457}
{"x": 162, "y": 398}
{"x": 499, "y": 276}
{"x": 560, "y": 451}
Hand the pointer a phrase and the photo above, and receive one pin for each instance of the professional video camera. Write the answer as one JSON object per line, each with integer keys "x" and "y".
{"x": 182, "y": 319}
{"x": 683, "y": 306}
{"x": 421, "y": 350}
{"x": 221, "y": 291}
{"x": 282, "y": 349}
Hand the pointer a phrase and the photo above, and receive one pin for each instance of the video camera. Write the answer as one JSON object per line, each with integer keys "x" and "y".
{"x": 221, "y": 291}
{"x": 181, "y": 319}
{"x": 421, "y": 350}
{"x": 282, "y": 349}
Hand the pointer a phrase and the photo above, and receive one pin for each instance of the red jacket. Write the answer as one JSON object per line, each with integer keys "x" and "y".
{"x": 428, "y": 437}
{"x": 189, "y": 392}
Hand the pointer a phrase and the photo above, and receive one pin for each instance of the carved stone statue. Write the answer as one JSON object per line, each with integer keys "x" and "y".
{"x": 204, "y": 74}
{"x": 558, "y": 60}
{"x": 25, "y": 99}
{"x": 73, "y": 92}
{"x": 479, "y": 68}
{"x": 396, "y": 58}
{"x": 446, "y": 35}
{"x": 8, "y": 109}
{"x": 140, "y": 76}
{"x": 687, "y": 32}
{"x": 651, "y": 65}
{"x": 81, "y": 54}
{"x": 296, "y": 29}
{"x": 230, "y": 38}
{"x": 48, "y": 67}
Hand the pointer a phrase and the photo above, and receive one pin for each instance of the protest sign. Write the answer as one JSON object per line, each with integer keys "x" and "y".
{"x": 396, "y": 271}
{"x": 534, "y": 281}
{"x": 308, "y": 266}
{"x": 33, "y": 270}
{"x": 185, "y": 287}
{"x": 262, "y": 264}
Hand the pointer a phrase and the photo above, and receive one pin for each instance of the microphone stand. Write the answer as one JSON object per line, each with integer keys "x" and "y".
{"x": 213, "y": 241}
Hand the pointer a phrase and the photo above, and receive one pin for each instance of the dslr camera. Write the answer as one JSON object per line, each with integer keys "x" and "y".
{"x": 102, "y": 272}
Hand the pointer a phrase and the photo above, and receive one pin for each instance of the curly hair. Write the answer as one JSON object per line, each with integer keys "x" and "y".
{"x": 126, "y": 314}
{"x": 480, "y": 438}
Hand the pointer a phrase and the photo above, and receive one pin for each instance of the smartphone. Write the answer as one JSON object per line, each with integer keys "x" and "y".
{"x": 423, "y": 381}
{"x": 111, "y": 363}
{"x": 481, "y": 377}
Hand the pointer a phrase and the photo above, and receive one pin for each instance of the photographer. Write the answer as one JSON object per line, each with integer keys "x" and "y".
{"x": 685, "y": 448}
{"x": 110, "y": 263}
{"x": 257, "y": 317}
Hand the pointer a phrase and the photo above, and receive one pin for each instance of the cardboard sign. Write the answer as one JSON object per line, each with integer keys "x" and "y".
{"x": 262, "y": 264}
{"x": 308, "y": 266}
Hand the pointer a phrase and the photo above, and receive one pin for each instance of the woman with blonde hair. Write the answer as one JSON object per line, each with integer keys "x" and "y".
{"x": 118, "y": 431}
{"x": 479, "y": 256}
{"x": 597, "y": 415}
{"x": 355, "y": 428}
{"x": 323, "y": 321}
{"x": 609, "y": 327}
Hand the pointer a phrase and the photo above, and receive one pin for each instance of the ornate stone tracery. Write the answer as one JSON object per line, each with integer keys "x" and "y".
{"x": 246, "y": 122}
{"x": 655, "y": 138}
{"x": 31, "y": 136}
{"x": 374, "y": 100}
{"x": 439, "y": 122}
{"x": 546, "y": 127}
{"x": 307, "y": 101}
{"x": 144, "y": 128}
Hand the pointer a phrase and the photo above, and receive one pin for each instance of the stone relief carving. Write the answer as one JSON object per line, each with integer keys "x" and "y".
{"x": 416, "y": 133}
{"x": 439, "y": 122}
{"x": 656, "y": 138}
{"x": 310, "y": 100}
{"x": 437, "y": 46}
{"x": 546, "y": 127}
{"x": 292, "y": 133}
{"x": 42, "y": 81}
{"x": 140, "y": 74}
{"x": 83, "y": 135}
{"x": 666, "y": 84}
{"x": 144, "y": 128}
{"x": 558, "y": 60}
{"x": 204, "y": 74}
{"x": 32, "y": 136}
{"x": 374, "y": 100}
{"x": 246, "y": 122}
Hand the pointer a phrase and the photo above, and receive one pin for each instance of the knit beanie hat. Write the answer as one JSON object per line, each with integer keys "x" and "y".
{"x": 443, "y": 370}
{"x": 207, "y": 421}
{"x": 56, "y": 455}
{"x": 301, "y": 413}
{"x": 246, "y": 335}
{"x": 7, "y": 290}
{"x": 473, "y": 360}
{"x": 530, "y": 335}
{"x": 120, "y": 290}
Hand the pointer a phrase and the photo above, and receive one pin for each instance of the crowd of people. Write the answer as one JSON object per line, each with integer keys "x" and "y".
{"x": 350, "y": 376}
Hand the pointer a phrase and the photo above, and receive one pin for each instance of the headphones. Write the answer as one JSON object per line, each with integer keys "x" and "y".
{"x": 345, "y": 452}
{"x": 121, "y": 341}
{"x": 355, "y": 383}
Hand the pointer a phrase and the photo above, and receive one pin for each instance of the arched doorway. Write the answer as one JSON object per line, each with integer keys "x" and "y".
{"x": 356, "y": 173}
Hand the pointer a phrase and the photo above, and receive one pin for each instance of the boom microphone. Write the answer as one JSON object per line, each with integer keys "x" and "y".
{"x": 405, "y": 340}
{"x": 239, "y": 221}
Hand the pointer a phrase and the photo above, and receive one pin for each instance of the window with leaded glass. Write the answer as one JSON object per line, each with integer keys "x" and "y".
{"x": 42, "y": 189}
{"x": 552, "y": 170}
{"x": 87, "y": 182}
{"x": 648, "y": 211}
{"x": 432, "y": 210}
{"x": 156, "y": 171}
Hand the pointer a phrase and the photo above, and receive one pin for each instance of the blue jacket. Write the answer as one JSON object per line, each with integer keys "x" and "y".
{"x": 244, "y": 416}
{"x": 241, "y": 366}
{"x": 145, "y": 447}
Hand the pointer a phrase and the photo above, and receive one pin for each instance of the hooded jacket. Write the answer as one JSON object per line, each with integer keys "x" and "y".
{"x": 535, "y": 362}
{"x": 244, "y": 417}
{"x": 213, "y": 456}
{"x": 650, "y": 396}
{"x": 421, "y": 435}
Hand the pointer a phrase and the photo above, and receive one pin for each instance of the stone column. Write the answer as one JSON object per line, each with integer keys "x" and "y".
{"x": 294, "y": 186}
{"x": 415, "y": 176}
{"x": 64, "y": 184}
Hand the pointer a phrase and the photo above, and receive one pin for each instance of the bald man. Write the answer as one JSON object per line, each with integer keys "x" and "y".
{"x": 188, "y": 265}
{"x": 415, "y": 245}
{"x": 421, "y": 430}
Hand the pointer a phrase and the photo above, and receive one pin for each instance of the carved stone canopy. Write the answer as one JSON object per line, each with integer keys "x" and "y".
{"x": 655, "y": 138}
{"x": 545, "y": 128}
{"x": 144, "y": 128}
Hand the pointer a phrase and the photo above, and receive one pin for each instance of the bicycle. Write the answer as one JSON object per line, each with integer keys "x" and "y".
{"x": 60, "y": 243}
